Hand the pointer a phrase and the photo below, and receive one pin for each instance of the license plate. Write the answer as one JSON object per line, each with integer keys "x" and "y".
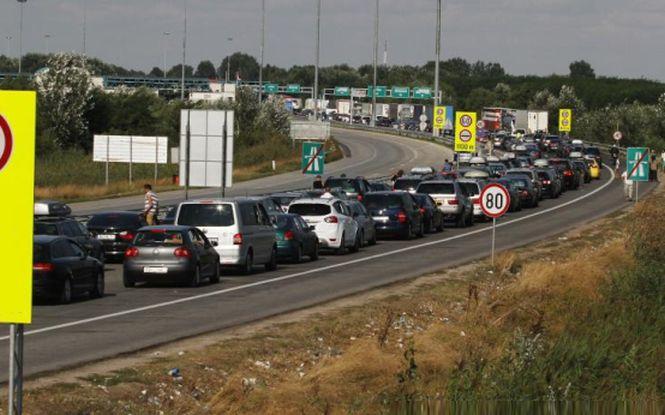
{"x": 380, "y": 218}
{"x": 155, "y": 270}
{"x": 106, "y": 237}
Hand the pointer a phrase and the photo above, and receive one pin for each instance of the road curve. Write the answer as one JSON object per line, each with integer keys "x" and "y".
{"x": 127, "y": 320}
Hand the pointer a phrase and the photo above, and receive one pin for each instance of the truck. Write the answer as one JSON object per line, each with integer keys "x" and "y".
{"x": 538, "y": 121}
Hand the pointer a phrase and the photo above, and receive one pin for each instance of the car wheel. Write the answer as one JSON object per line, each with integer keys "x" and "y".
{"x": 440, "y": 227}
{"x": 272, "y": 264}
{"x": 357, "y": 243}
{"x": 216, "y": 276}
{"x": 66, "y": 293}
{"x": 429, "y": 225}
{"x": 315, "y": 254}
{"x": 461, "y": 220}
{"x": 99, "y": 285}
{"x": 373, "y": 240}
{"x": 248, "y": 267}
{"x": 409, "y": 232}
{"x": 297, "y": 258}
{"x": 421, "y": 230}
{"x": 128, "y": 281}
{"x": 342, "y": 246}
{"x": 195, "y": 280}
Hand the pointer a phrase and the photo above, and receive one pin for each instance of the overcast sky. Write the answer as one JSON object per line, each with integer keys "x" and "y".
{"x": 618, "y": 37}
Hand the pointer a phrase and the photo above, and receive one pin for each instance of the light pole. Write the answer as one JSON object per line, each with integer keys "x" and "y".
{"x": 46, "y": 38}
{"x": 85, "y": 24}
{"x": 20, "y": 37}
{"x": 437, "y": 47}
{"x": 263, "y": 39}
{"x": 372, "y": 120}
{"x": 9, "y": 40}
{"x": 228, "y": 62}
{"x": 316, "y": 65}
{"x": 164, "y": 36}
{"x": 184, "y": 54}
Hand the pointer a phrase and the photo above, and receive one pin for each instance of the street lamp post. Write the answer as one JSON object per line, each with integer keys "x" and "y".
{"x": 85, "y": 25}
{"x": 263, "y": 40}
{"x": 164, "y": 36}
{"x": 184, "y": 54}
{"x": 372, "y": 121}
{"x": 20, "y": 37}
{"x": 316, "y": 65}
{"x": 228, "y": 62}
{"x": 437, "y": 47}
{"x": 9, "y": 40}
{"x": 46, "y": 39}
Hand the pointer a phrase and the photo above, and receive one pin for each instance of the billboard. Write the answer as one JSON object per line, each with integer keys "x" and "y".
{"x": 130, "y": 149}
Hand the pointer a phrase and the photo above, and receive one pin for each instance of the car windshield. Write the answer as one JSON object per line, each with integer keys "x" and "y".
{"x": 156, "y": 237}
{"x": 114, "y": 219}
{"x": 405, "y": 184}
{"x": 42, "y": 228}
{"x": 543, "y": 175}
{"x": 282, "y": 222}
{"x": 383, "y": 201}
{"x": 521, "y": 183}
{"x": 206, "y": 215}
{"x": 470, "y": 188}
{"x": 347, "y": 185}
{"x": 594, "y": 151}
{"x": 40, "y": 253}
{"x": 437, "y": 188}
{"x": 310, "y": 209}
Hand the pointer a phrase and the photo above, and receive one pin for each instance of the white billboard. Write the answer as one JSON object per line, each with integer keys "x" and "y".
{"x": 206, "y": 154}
{"x": 310, "y": 130}
{"x": 130, "y": 149}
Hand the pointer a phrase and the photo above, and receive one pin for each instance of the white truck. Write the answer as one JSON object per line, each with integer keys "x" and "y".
{"x": 538, "y": 121}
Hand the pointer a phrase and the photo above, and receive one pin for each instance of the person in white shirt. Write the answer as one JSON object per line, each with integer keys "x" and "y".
{"x": 151, "y": 205}
{"x": 627, "y": 185}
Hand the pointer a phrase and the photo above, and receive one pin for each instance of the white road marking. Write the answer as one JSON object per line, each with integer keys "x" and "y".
{"x": 311, "y": 271}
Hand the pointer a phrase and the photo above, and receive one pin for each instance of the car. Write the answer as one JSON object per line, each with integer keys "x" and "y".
{"x": 550, "y": 181}
{"x": 295, "y": 239}
{"x": 496, "y": 169}
{"x": 51, "y": 208}
{"x": 336, "y": 192}
{"x": 170, "y": 254}
{"x": 332, "y": 221}
{"x": 268, "y": 204}
{"x": 365, "y": 222}
{"x": 451, "y": 199}
{"x": 285, "y": 198}
{"x": 71, "y": 228}
{"x": 116, "y": 231}
{"x": 473, "y": 189}
{"x": 240, "y": 228}
{"x": 527, "y": 192}
{"x": 515, "y": 198}
{"x": 407, "y": 183}
{"x": 354, "y": 187}
{"x": 594, "y": 152}
{"x": 422, "y": 170}
{"x": 571, "y": 176}
{"x": 583, "y": 168}
{"x": 379, "y": 187}
{"x": 532, "y": 150}
{"x": 432, "y": 216}
{"x": 169, "y": 216}
{"x": 395, "y": 214}
{"x": 594, "y": 170}
{"x": 553, "y": 144}
{"x": 62, "y": 270}
{"x": 535, "y": 180}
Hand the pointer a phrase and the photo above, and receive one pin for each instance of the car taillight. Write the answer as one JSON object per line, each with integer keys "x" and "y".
{"x": 453, "y": 202}
{"x": 422, "y": 210}
{"x": 126, "y": 236}
{"x": 331, "y": 219}
{"x": 360, "y": 198}
{"x": 525, "y": 193}
{"x": 182, "y": 252}
{"x": 237, "y": 239}
{"x": 401, "y": 217}
{"x": 131, "y": 252}
{"x": 546, "y": 182}
{"x": 568, "y": 173}
{"x": 476, "y": 201}
{"x": 43, "y": 266}
{"x": 289, "y": 235}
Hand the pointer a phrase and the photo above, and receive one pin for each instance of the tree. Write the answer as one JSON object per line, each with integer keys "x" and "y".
{"x": 581, "y": 69}
{"x": 542, "y": 100}
{"x": 65, "y": 95}
{"x": 156, "y": 72}
{"x": 176, "y": 71}
{"x": 479, "y": 98}
{"x": 502, "y": 92}
{"x": 206, "y": 69}
{"x": 242, "y": 64}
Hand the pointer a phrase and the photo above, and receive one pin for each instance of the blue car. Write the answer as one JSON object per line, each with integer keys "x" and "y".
{"x": 395, "y": 214}
{"x": 295, "y": 239}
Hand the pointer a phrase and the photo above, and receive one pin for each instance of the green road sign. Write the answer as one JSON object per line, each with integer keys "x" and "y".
{"x": 381, "y": 91}
{"x": 313, "y": 158}
{"x": 637, "y": 164}
{"x": 400, "y": 92}
{"x": 342, "y": 91}
{"x": 293, "y": 89}
{"x": 270, "y": 88}
{"x": 422, "y": 93}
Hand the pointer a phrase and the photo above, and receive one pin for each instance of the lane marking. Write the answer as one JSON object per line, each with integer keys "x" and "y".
{"x": 311, "y": 271}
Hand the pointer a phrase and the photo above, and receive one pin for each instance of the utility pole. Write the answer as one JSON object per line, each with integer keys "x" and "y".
{"x": 437, "y": 47}
{"x": 228, "y": 62}
{"x": 263, "y": 41}
{"x": 385, "y": 53}
{"x": 20, "y": 37}
{"x": 85, "y": 24}
{"x": 46, "y": 38}
{"x": 8, "y": 39}
{"x": 316, "y": 65}
{"x": 184, "y": 55}
{"x": 164, "y": 36}
{"x": 372, "y": 120}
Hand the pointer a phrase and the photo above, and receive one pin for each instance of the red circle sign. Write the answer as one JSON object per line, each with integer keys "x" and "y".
{"x": 6, "y": 142}
{"x": 494, "y": 200}
{"x": 466, "y": 121}
{"x": 465, "y": 135}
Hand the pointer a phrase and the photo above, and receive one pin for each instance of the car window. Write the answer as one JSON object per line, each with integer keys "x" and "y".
{"x": 195, "y": 237}
{"x": 310, "y": 209}
{"x": 250, "y": 214}
{"x": 75, "y": 249}
{"x": 270, "y": 206}
{"x": 194, "y": 214}
{"x": 157, "y": 237}
{"x": 40, "y": 253}
{"x": 471, "y": 189}
{"x": 348, "y": 185}
{"x": 303, "y": 225}
{"x": 436, "y": 188}
{"x": 72, "y": 229}
{"x": 82, "y": 228}
{"x": 340, "y": 208}
{"x": 62, "y": 249}
{"x": 406, "y": 184}
{"x": 263, "y": 216}
{"x": 383, "y": 201}
{"x": 42, "y": 228}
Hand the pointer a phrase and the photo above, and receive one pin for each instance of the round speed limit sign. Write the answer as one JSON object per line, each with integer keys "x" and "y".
{"x": 494, "y": 200}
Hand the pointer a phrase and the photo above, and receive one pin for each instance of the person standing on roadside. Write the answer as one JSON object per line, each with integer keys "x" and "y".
{"x": 151, "y": 205}
{"x": 447, "y": 166}
{"x": 627, "y": 185}
{"x": 397, "y": 175}
{"x": 318, "y": 183}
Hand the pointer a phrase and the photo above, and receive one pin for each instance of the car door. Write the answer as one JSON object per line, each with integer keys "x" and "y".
{"x": 266, "y": 231}
{"x": 368, "y": 222}
{"x": 309, "y": 238}
{"x": 198, "y": 246}
{"x": 349, "y": 224}
{"x": 76, "y": 259}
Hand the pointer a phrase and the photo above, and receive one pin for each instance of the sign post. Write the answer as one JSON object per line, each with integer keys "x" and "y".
{"x": 17, "y": 166}
{"x": 494, "y": 202}
{"x": 313, "y": 158}
{"x": 637, "y": 167}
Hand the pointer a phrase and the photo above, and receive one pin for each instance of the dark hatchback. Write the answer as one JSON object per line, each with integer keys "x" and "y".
{"x": 116, "y": 231}
{"x": 432, "y": 216}
{"x": 170, "y": 254}
{"x": 295, "y": 239}
{"x": 395, "y": 214}
{"x": 571, "y": 176}
{"x": 70, "y": 228}
{"x": 62, "y": 270}
{"x": 527, "y": 193}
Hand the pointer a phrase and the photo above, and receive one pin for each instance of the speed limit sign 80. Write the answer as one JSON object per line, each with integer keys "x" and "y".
{"x": 494, "y": 200}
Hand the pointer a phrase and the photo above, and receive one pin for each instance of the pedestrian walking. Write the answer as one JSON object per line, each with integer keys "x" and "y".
{"x": 447, "y": 166}
{"x": 617, "y": 166}
{"x": 662, "y": 161}
{"x": 627, "y": 185}
{"x": 318, "y": 183}
{"x": 397, "y": 175}
{"x": 653, "y": 167}
{"x": 151, "y": 205}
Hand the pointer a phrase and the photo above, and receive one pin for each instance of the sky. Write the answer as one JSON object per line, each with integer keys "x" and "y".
{"x": 618, "y": 37}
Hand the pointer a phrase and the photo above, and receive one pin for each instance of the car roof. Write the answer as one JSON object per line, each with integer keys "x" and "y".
{"x": 316, "y": 200}
{"x": 54, "y": 219}
{"x": 438, "y": 182}
{"x": 180, "y": 228}
{"x": 46, "y": 239}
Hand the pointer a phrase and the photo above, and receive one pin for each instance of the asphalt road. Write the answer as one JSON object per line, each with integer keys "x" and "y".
{"x": 127, "y": 320}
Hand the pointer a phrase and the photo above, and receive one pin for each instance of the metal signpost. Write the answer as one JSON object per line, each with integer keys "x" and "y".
{"x": 494, "y": 202}
{"x": 637, "y": 167}
{"x": 313, "y": 158}
{"x": 17, "y": 167}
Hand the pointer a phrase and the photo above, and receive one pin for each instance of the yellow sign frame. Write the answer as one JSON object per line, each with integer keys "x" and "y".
{"x": 17, "y": 180}
{"x": 439, "y": 117}
{"x": 565, "y": 120}
{"x": 465, "y": 132}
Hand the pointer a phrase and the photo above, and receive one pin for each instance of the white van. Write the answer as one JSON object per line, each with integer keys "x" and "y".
{"x": 239, "y": 228}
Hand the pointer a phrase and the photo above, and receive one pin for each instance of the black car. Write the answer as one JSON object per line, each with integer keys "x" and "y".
{"x": 550, "y": 181}
{"x": 583, "y": 169}
{"x": 515, "y": 197}
{"x": 594, "y": 152}
{"x": 295, "y": 239}
{"x": 62, "y": 270}
{"x": 379, "y": 187}
{"x": 71, "y": 228}
{"x": 355, "y": 188}
{"x": 116, "y": 231}
{"x": 527, "y": 192}
{"x": 364, "y": 220}
{"x": 170, "y": 254}
{"x": 571, "y": 176}
{"x": 431, "y": 214}
{"x": 395, "y": 214}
